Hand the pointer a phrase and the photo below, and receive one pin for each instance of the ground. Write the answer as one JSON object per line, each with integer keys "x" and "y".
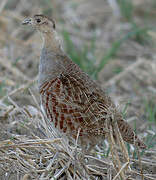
{"x": 115, "y": 43}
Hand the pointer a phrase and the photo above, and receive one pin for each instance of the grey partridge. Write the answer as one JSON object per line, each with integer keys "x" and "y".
{"x": 72, "y": 101}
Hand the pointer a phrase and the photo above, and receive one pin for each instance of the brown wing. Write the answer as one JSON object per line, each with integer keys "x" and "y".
{"x": 70, "y": 105}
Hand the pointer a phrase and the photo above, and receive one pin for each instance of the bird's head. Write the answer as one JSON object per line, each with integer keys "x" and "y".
{"x": 41, "y": 23}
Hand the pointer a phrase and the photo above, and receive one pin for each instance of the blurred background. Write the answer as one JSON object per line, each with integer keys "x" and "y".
{"x": 114, "y": 41}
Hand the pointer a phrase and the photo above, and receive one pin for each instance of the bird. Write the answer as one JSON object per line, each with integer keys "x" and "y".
{"x": 74, "y": 104}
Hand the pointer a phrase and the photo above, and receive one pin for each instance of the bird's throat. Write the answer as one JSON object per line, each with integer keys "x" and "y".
{"x": 52, "y": 42}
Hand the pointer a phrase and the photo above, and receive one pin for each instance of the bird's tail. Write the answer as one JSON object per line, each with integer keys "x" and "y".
{"x": 129, "y": 135}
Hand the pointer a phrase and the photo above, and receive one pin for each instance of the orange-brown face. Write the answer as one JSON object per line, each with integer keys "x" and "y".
{"x": 41, "y": 23}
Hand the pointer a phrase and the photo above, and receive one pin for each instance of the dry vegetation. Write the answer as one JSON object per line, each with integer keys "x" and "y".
{"x": 113, "y": 41}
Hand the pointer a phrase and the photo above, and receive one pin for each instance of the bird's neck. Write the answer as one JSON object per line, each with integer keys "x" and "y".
{"x": 50, "y": 63}
{"x": 52, "y": 43}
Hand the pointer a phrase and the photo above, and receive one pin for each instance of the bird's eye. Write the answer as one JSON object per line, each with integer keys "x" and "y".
{"x": 38, "y": 20}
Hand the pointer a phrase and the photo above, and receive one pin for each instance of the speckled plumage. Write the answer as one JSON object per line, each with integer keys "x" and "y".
{"x": 71, "y": 99}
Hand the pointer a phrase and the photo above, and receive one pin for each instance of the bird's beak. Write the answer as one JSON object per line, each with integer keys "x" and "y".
{"x": 27, "y": 21}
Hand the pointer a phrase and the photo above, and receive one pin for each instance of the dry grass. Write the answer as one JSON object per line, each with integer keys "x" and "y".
{"x": 28, "y": 148}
